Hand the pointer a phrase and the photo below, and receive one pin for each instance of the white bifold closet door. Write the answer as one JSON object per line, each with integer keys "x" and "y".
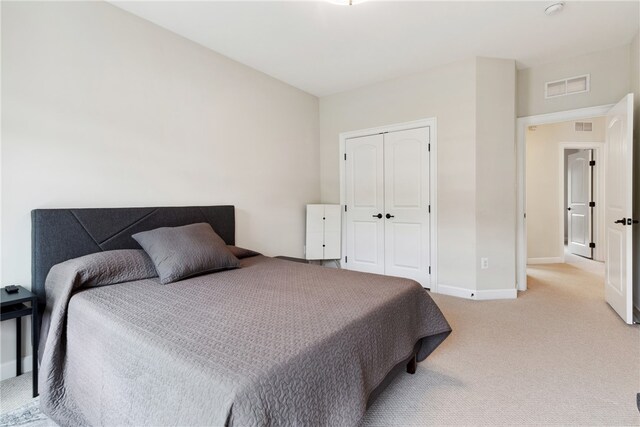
{"x": 365, "y": 204}
{"x": 406, "y": 190}
{"x": 387, "y": 197}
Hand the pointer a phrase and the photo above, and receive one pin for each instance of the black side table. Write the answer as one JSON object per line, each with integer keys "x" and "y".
{"x": 12, "y": 306}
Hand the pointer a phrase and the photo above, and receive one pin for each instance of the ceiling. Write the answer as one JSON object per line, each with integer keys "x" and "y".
{"x": 323, "y": 48}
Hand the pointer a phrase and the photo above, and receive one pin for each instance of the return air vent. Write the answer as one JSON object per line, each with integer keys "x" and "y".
{"x": 568, "y": 86}
{"x": 584, "y": 126}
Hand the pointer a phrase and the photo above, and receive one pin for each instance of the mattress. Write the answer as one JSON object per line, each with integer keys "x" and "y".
{"x": 271, "y": 343}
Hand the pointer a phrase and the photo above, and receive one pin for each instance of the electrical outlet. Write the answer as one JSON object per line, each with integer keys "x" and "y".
{"x": 484, "y": 263}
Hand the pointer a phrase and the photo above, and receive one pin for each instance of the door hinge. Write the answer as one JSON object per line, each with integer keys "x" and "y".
{"x": 592, "y": 162}
{"x": 345, "y": 208}
{"x": 429, "y": 147}
{"x": 429, "y": 208}
{"x": 346, "y": 259}
{"x": 429, "y": 269}
{"x": 592, "y": 204}
{"x": 345, "y": 156}
{"x": 592, "y": 245}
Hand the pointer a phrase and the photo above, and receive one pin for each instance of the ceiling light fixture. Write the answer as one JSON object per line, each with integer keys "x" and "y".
{"x": 554, "y": 8}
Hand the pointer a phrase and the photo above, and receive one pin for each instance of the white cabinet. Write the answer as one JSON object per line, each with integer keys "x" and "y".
{"x": 323, "y": 232}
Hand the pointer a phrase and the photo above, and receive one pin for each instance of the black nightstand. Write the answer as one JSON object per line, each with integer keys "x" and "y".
{"x": 12, "y": 306}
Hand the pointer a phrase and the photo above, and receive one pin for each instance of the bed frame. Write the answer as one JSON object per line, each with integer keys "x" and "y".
{"x": 58, "y": 235}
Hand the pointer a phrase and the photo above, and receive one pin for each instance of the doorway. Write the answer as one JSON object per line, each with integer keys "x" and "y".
{"x": 578, "y": 199}
{"x": 618, "y": 187}
{"x": 523, "y": 125}
{"x": 563, "y": 177}
{"x": 582, "y": 210}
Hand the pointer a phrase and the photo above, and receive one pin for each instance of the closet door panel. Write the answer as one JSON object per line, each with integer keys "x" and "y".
{"x": 364, "y": 173}
{"x": 406, "y": 182}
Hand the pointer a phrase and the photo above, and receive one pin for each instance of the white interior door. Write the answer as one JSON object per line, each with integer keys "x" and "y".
{"x": 579, "y": 194}
{"x": 406, "y": 189}
{"x": 618, "y": 206}
{"x": 364, "y": 221}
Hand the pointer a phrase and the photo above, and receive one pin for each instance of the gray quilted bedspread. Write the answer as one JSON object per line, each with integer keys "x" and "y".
{"x": 273, "y": 343}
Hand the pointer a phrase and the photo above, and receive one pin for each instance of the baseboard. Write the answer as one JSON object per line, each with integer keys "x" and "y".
{"x": 549, "y": 260}
{"x": 455, "y": 291}
{"x": 480, "y": 295}
{"x": 489, "y": 294}
{"x": 8, "y": 369}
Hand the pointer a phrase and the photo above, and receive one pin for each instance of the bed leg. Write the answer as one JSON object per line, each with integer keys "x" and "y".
{"x": 412, "y": 365}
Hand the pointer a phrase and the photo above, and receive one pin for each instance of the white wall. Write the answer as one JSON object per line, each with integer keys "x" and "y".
{"x": 495, "y": 172}
{"x": 609, "y": 70}
{"x": 447, "y": 93}
{"x": 101, "y": 109}
{"x": 543, "y": 191}
{"x": 476, "y": 162}
{"x": 614, "y": 73}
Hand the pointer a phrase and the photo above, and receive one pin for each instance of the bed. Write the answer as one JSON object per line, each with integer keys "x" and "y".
{"x": 270, "y": 343}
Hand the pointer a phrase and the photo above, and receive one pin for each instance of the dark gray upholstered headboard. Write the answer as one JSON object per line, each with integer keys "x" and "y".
{"x": 61, "y": 234}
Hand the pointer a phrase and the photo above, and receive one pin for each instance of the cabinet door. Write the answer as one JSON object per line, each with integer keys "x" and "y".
{"x": 332, "y": 232}
{"x": 315, "y": 232}
{"x": 406, "y": 189}
{"x": 364, "y": 173}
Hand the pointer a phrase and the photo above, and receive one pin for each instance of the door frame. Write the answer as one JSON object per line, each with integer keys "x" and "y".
{"x": 431, "y": 123}
{"x": 597, "y": 218}
{"x": 521, "y": 155}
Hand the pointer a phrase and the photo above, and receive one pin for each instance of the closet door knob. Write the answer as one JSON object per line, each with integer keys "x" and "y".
{"x": 622, "y": 221}
{"x": 390, "y": 216}
{"x": 377, "y": 216}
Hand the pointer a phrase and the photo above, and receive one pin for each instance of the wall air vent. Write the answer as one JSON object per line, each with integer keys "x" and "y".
{"x": 584, "y": 126}
{"x": 568, "y": 86}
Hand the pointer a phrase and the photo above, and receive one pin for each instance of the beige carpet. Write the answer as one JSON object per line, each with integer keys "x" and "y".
{"x": 14, "y": 392}
{"x": 556, "y": 355}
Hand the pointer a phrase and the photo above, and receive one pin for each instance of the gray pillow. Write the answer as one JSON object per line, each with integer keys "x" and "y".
{"x": 181, "y": 252}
